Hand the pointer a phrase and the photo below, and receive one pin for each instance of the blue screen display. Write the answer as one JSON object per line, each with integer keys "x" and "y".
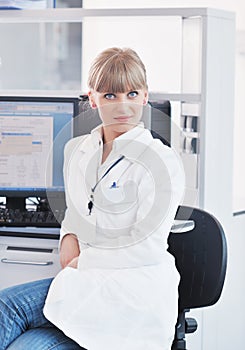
{"x": 33, "y": 134}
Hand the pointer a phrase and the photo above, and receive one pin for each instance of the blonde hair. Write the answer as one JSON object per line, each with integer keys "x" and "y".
{"x": 117, "y": 70}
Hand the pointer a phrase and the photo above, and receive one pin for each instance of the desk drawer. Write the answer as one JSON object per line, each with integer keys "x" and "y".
{"x": 24, "y": 259}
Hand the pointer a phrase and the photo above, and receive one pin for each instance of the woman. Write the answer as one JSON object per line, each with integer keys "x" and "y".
{"x": 119, "y": 285}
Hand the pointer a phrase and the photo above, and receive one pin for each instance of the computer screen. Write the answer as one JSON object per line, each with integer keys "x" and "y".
{"x": 33, "y": 133}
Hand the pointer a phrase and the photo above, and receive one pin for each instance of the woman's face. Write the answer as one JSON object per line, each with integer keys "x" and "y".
{"x": 119, "y": 112}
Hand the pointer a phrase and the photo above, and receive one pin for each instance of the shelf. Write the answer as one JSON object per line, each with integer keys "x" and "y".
{"x": 54, "y": 93}
{"x": 79, "y": 14}
{"x": 181, "y": 97}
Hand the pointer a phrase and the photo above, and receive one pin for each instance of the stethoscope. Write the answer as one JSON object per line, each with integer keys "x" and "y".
{"x": 91, "y": 202}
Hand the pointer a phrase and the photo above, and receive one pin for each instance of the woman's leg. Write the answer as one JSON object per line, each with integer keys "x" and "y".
{"x": 44, "y": 339}
{"x": 21, "y": 308}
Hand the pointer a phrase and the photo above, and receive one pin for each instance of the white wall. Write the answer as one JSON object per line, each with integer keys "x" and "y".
{"x": 239, "y": 140}
{"x": 163, "y": 59}
{"x": 221, "y": 326}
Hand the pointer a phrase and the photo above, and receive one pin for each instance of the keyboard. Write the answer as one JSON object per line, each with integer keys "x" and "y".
{"x": 16, "y": 217}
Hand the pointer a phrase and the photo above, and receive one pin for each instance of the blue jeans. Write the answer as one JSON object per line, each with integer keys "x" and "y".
{"x": 22, "y": 323}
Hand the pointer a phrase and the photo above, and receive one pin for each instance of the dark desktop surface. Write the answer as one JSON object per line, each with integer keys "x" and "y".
{"x": 30, "y": 232}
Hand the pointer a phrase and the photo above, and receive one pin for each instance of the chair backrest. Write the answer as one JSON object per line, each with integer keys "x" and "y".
{"x": 201, "y": 258}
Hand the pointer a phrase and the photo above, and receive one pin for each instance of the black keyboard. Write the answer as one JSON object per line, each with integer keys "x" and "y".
{"x": 16, "y": 217}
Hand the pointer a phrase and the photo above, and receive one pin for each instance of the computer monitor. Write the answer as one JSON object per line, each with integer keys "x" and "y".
{"x": 33, "y": 133}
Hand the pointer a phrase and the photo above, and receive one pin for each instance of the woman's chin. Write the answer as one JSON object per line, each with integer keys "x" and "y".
{"x": 117, "y": 129}
{"x": 123, "y": 127}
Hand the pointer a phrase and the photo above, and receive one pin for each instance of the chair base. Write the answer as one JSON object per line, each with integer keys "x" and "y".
{"x": 179, "y": 345}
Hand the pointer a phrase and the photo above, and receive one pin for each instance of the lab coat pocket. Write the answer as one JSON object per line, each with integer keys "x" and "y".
{"x": 119, "y": 198}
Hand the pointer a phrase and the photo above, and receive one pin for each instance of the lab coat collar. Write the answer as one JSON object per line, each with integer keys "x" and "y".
{"x": 95, "y": 137}
{"x": 133, "y": 143}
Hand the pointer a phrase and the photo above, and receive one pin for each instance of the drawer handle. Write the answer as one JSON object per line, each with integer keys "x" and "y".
{"x": 20, "y": 262}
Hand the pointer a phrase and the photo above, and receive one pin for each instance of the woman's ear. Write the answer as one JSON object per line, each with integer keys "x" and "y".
{"x": 146, "y": 98}
{"x": 91, "y": 100}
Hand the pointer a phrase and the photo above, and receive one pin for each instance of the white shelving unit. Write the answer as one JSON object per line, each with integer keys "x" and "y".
{"x": 206, "y": 88}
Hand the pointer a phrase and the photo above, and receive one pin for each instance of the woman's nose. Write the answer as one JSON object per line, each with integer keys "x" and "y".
{"x": 123, "y": 107}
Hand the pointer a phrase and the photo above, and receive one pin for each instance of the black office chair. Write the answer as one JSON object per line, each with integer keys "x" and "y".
{"x": 201, "y": 258}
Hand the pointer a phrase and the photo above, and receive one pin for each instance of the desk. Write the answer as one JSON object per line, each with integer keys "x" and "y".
{"x": 31, "y": 253}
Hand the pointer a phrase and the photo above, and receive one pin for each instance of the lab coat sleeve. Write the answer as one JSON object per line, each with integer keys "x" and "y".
{"x": 67, "y": 226}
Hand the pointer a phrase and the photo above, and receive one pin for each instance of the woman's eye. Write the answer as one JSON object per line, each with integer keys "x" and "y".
{"x": 109, "y": 96}
{"x": 132, "y": 94}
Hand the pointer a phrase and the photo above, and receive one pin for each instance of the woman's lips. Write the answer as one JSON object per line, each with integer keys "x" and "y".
{"x": 123, "y": 119}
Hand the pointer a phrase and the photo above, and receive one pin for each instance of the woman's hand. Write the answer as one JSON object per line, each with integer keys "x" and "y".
{"x": 69, "y": 249}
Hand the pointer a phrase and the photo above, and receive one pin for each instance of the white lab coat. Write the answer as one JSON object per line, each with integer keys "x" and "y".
{"x": 124, "y": 293}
